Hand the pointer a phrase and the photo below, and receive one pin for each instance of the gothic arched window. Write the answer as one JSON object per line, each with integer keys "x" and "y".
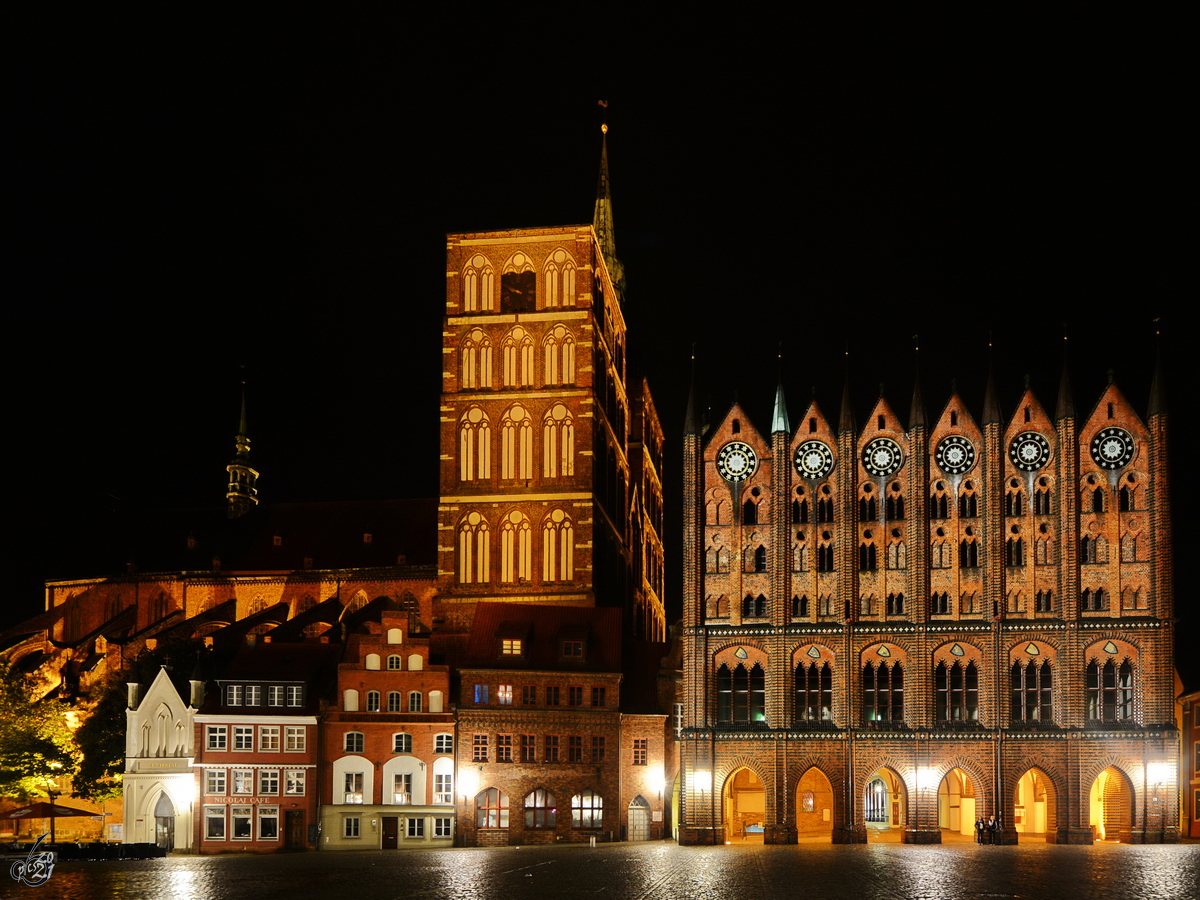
{"x": 516, "y": 548}
{"x": 516, "y": 444}
{"x": 558, "y": 356}
{"x": 559, "y": 279}
{"x": 1109, "y": 691}
{"x": 558, "y": 547}
{"x": 518, "y": 358}
{"x": 957, "y": 697}
{"x": 476, "y": 360}
{"x": 883, "y": 692}
{"x": 474, "y": 445}
{"x": 473, "y": 549}
{"x": 558, "y": 443}
{"x": 478, "y": 285}
{"x": 1032, "y": 692}
{"x": 741, "y": 694}
{"x": 814, "y": 692}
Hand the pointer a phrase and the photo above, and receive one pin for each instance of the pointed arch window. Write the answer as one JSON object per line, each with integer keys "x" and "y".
{"x": 474, "y": 445}
{"x": 741, "y": 694}
{"x": 473, "y": 549}
{"x": 825, "y": 556}
{"x": 1032, "y": 692}
{"x": 558, "y": 547}
{"x": 1044, "y": 601}
{"x": 749, "y": 513}
{"x": 1014, "y": 552}
{"x": 516, "y": 444}
{"x": 957, "y": 692}
{"x": 800, "y": 562}
{"x": 883, "y": 692}
{"x": 518, "y": 358}
{"x": 895, "y": 604}
{"x": 939, "y": 604}
{"x": 968, "y": 504}
{"x": 868, "y": 509}
{"x": 559, "y": 278}
{"x": 894, "y": 507}
{"x": 541, "y": 809}
{"x": 1041, "y": 501}
{"x": 1110, "y": 691}
{"x": 939, "y": 504}
{"x": 824, "y": 510}
{"x": 491, "y": 809}
{"x": 800, "y": 511}
{"x": 968, "y": 553}
{"x": 754, "y": 607}
{"x": 558, "y": 356}
{"x": 866, "y": 557}
{"x": 558, "y": 443}
{"x": 940, "y": 555}
{"x": 1043, "y": 549}
{"x": 814, "y": 692}
{"x": 476, "y": 355}
{"x": 897, "y": 553}
{"x": 1014, "y": 503}
{"x": 516, "y": 551}
{"x": 479, "y": 285}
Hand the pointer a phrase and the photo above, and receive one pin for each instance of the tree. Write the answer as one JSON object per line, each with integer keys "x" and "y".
{"x": 36, "y": 746}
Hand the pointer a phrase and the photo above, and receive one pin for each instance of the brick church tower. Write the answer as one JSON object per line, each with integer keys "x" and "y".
{"x": 905, "y": 627}
{"x": 549, "y": 462}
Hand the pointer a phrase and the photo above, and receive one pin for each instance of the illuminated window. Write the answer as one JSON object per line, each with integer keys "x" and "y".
{"x": 294, "y": 782}
{"x": 558, "y": 356}
{"x": 541, "y": 809}
{"x": 353, "y": 788}
{"x": 504, "y": 694}
{"x": 243, "y": 781}
{"x": 295, "y": 738}
{"x": 214, "y": 781}
{"x": 512, "y": 646}
{"x": 587, "y": 810}
{"x": 443, "y": 788}
{"x": 491, "y": 809}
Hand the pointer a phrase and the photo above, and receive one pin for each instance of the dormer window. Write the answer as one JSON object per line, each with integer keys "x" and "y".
{"x": 512, "y": 647}
{"x": 572, "y": 649}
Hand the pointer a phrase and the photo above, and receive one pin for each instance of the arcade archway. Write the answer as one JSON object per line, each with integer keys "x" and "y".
{"x": 1111, "y": 814}
{"x": 744, "y": 804}
{"x": 884, "y": 801}
{"x": 956, "y": 803}
{"x": 814, "y": 806}
{"x": 1035, "y": 805}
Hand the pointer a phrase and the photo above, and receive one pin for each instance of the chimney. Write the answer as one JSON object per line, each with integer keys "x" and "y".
{"x": 197, "y": 694}
{"x": 132, "y": 694}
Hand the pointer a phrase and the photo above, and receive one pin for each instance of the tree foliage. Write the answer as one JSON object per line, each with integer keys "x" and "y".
{"x": 36, "y": 745}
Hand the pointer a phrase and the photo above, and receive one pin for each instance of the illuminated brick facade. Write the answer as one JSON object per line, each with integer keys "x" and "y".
{"x": 911, "y": 627}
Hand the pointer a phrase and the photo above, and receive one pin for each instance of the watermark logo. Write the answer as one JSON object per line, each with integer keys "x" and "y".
{"x": 36, "y": 869}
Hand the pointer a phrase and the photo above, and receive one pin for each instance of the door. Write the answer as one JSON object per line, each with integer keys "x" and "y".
{"x": 639, "y": 819}
{"x": 294, "y": 834}
{"x": 391, "y": 830}
{"x": 164, "y": 832}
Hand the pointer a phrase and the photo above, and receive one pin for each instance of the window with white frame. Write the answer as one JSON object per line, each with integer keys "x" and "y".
{"x": 268, "y": 781}
{"x": 214, "y": 782}
{"x": 296, "y": 739}
{"x": 216, "y": 737}
{"x": 268, "y": 737}
{"x": 214, "y": 823}
{"x": 372, "y": 701}
{"x": 254, "y": 695}
{"x": 443, "y": 827}
{"x": 395, "y": 663}
{"x": 414, "y": 701}
{"x": 402, "y": 788}
{"x": 443, "y": 743}
{"x": 443, "y": 788}
{"x": 275, "y": 695}
{"x": 240, "y": 817}
{"x": 353, "y": 792}
{"x": 353, "y": 742}
{"x": 416, "y": 827}
{"x": 243, "y": 781}
{"x": 243, "y": 737}
{"x": 268, "y": 823}
{"x": 233, "y": 695}
{"x": 295, "y": 695}
{"x": 504, "y": 694}
{"x": 351, "y": 827}
{"x": 395, "y": 703}
{"x": 402, "y": 743}
{"x": 294, "y": 782}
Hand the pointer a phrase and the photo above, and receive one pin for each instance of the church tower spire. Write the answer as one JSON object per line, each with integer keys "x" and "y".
{"x": 242, "y": 493}
{"x": 602, "y": 218}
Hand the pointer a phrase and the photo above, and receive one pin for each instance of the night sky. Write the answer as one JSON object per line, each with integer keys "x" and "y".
{"x": 191, "y": 197}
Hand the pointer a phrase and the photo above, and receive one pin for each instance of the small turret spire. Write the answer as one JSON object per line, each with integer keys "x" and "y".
{"x": 779, "y": 421}
{"x": 916, "y": 416}
{"x": 602, "y": 217}
{"x": 1066, "y": 404}
{"x": 991, "y": 406}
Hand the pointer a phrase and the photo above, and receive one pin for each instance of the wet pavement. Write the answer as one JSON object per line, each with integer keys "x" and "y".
{"x": 650, "y": 870}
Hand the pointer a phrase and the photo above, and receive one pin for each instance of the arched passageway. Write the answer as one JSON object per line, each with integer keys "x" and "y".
{"x": 884, "y": 802}
{"x": 1035, "y": 805}
{"x": 744, "y": 807}
{"x": 1111, "y": 807}
{"x": 956, "y": 803}
{"x": 814, "y": 806}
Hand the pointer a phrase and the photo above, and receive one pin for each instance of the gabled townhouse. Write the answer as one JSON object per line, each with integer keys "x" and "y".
{"x": 388, "y": 738}
{"x": 257, "y": 749}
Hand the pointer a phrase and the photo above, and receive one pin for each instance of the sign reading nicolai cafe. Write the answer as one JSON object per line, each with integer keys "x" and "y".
{"x": 242, "y": 801}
